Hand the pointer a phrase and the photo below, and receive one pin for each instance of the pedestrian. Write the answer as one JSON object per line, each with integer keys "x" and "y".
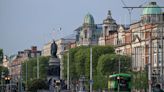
{"x": 158, "y": 88}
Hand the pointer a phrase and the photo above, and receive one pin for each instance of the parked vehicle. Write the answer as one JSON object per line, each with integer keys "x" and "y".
{"x": 119, "y": 82}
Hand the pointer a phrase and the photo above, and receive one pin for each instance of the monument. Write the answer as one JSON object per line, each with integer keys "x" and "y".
{"x": 53, "y": 73}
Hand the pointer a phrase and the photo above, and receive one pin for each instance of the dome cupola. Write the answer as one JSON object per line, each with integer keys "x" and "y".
{"x": 152, "y": 8}
{"x": 88, "y": 19}
{"x": 151, "y": 14}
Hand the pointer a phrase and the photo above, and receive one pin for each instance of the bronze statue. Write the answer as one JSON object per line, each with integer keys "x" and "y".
{"x": 54, "y": 49}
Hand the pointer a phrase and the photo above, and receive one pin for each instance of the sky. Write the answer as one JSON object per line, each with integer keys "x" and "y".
{"x": 26, "y": 23}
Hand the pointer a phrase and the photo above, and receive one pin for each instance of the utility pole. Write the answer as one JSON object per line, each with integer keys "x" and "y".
{"x": 149, "y": 63}
{"x": 119, "y": 73}
{"x": 68, "y": 70}
{"x": 26, "y": 75}
{"x": 20, "y": 83}
{"x": 91, "y": 80}
{"x": 161, "y": 38}
{"x": 37, "y": 66}
{"x": 2, "y": 78}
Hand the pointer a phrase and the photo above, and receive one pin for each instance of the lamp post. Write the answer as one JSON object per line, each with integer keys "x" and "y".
{"x": 37, "y": 66}
{"x": 10, "y": 73}
{"x": 2, "y": 77}
{"x": 91, "y": 80}
{"x": 26, "y": 75}
{"x": 162, "y": 64}
{"x": 68, "y": 70}
{"x": 119, "y": 76}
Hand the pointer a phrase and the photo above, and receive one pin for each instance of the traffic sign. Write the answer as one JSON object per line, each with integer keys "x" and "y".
{"x": 91, "y": 81}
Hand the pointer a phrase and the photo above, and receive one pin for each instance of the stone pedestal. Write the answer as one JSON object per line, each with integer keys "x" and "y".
{"x": 53, "y": 73}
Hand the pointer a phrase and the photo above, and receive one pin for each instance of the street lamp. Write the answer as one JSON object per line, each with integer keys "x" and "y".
{"x": 68, "y": 70}
{"x": 2, "y": 77}
{"x": 118, "y": 78}
{"x": 91, "y": 79}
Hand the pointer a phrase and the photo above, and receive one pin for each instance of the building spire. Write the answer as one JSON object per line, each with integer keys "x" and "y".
{"x": 109, "y": 15}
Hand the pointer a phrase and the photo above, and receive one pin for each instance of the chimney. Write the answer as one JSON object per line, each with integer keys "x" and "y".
{"x": 33, "y": 48}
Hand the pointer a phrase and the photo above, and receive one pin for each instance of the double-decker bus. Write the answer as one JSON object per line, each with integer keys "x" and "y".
{"x": 119, "y": 83}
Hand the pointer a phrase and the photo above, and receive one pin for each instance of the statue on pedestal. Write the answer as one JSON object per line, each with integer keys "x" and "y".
{"x": 53, "y": 73}
{"x": 53, "y": 49}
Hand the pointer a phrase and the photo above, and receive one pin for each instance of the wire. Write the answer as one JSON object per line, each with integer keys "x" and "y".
{"x": 143, "y": 3}
{"x": 125, "y": 5}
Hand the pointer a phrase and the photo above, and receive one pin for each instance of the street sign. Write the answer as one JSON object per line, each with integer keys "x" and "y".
{"x": 91, "y": 81}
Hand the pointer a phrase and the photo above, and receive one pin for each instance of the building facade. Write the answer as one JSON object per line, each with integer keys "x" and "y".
{"x": 5, "y": 61}
{"x": 89, "y": 32}
{"x": 142, "y": 40}
{"x": 15, "y": 65}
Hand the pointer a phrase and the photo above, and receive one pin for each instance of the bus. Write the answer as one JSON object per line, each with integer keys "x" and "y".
{"x": 119, "y": 83}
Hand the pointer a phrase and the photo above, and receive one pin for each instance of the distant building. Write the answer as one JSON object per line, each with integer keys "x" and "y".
{"x": 142, "y": 40}
{"x": 63, "y": 44}
{"x": 5, "y": 61}
{"x": 15, "y": 64}
{"x": 137, "y": 39}
{"x": 89, "y": 32}
{"x": 46, "y": 51}
{"x": 109, "y": 32}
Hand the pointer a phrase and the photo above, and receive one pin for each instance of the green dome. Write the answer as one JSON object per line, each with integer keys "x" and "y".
{"x": 88, "y": 19}
{"x": 153, "y": 8}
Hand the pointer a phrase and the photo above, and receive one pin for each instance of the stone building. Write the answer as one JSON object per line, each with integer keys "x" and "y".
{"x": 15, "y": 65}
{"x": 89, "y": 32}
{"x": 142, "y": 40}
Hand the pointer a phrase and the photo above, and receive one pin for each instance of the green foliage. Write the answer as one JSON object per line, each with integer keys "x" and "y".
{"x": 108, "y": 64}
{"x": 37, "y": 84}
{"x": 4, "y": 70}
{"x": 80, "y": 61}
{"x": 31, "y": 65}
{"x": 140, "y": 80}
{"x": 1, "y": 56}
{"x": 98, "y": 51}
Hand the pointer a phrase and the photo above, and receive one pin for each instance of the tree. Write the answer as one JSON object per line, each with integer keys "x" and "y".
{"x": 37, "y": 84}
{"x": 140, "y": 80}
{"x": 3, "y": 72}
{"x": 1, "y": 56}
{"x": 32, "y": 69}
{"x": 80, "y": 60}
{"x": 108, "y": 64}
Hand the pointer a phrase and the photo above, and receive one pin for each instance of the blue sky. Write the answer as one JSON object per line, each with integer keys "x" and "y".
{"x": 24, "y": 23}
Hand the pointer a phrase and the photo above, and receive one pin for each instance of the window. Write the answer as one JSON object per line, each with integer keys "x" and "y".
{"x": 155, "y": 58}
{"x": 85, "y": 34}
{"x": 142, "y": 35}
{"x": 159, "y": 56}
